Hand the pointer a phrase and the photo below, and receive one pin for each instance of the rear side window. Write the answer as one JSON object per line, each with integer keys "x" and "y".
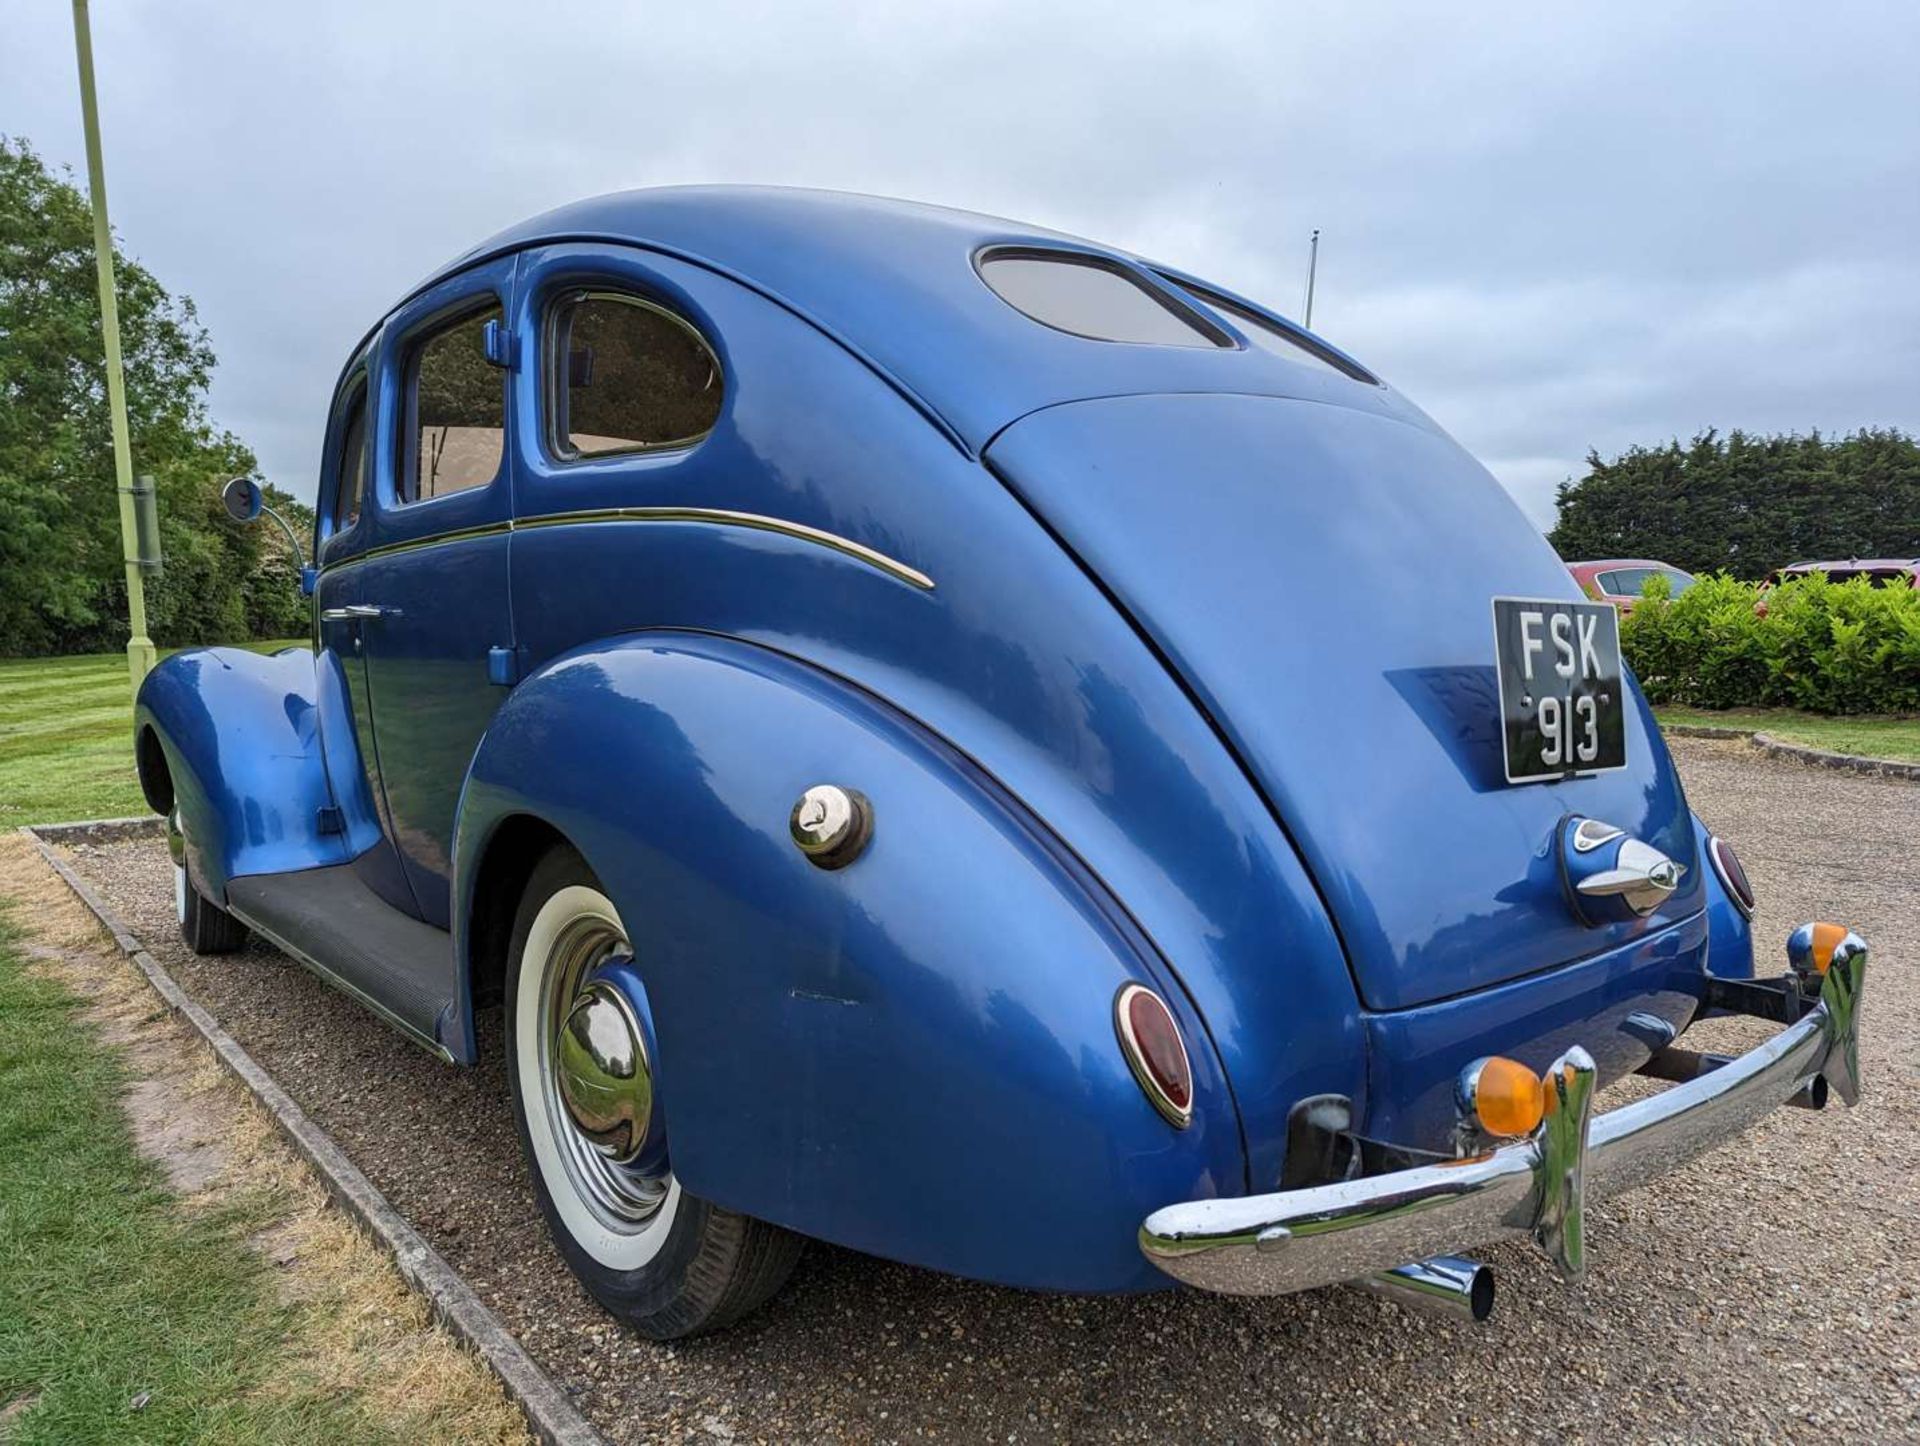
{"x": 352, "y": 478}
{"x": 1270, "y": 336}
{"x": 626, "y": 376}
{"x": 1094, "y": 298}
{"x": 1632, "y": 581}
{"x": 456, "y": 411}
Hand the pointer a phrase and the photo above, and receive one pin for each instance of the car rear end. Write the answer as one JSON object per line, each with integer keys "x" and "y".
{"x": 1487, "y": 810}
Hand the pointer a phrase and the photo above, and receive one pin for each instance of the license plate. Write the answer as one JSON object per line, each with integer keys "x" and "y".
{"x": 1562, "y": 704}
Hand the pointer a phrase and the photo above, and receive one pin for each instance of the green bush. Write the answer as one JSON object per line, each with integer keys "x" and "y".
{"x": 1826, "y": 647}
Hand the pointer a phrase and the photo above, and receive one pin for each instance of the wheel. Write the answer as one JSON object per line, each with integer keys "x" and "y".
{"x": 580, "y": 1057}
{"x": 204, "y": 925}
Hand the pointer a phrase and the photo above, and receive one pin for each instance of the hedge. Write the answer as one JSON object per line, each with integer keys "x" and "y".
{"x": 1827, "y": 647}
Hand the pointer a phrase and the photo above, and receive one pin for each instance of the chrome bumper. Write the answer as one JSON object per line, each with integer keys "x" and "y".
{"x": 1353, "y": 1229}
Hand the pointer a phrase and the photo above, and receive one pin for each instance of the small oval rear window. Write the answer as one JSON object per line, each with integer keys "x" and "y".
{"x": 1269, "y": 336}
{"x": 1094, "y": 298}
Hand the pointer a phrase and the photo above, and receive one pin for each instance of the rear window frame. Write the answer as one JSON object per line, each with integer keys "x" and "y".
{"x": 1210, "y": 334}
{"x": 1236, "y": 311}
{"x": 553, "y": 364}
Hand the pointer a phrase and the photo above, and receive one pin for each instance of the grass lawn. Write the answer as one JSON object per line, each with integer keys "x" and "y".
{"x": 66, "y": 738}
{"x": 124, "y": 1313}
{"x": 1897, "y": 738}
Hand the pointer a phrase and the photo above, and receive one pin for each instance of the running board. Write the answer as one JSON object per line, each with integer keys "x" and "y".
{"x": 333, "y": 924}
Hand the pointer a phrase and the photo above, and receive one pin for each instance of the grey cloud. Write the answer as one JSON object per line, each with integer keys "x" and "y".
{"x": 1554, "y": 230}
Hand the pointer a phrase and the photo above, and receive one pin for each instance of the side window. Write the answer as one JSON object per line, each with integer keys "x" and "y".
{"x": 456, "y": 412}
{"x": 625, "y": 376}
{"x": 350, "y": 484}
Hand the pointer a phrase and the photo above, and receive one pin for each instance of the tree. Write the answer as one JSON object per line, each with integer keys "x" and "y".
{"x": 1747, "y": 504}
{"x": 62, "y": 587}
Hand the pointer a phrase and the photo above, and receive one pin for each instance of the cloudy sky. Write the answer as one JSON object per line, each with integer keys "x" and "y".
{"x": 1556, "y": 227}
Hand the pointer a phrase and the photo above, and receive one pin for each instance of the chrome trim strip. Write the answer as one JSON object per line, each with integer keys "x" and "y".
{"x": 723, "y": 517}
{"x": 346, "y": 987}
{"x": 717, "y": 516}
{"x": 1325, "y": 1234}
{"x": 417, "y": 544}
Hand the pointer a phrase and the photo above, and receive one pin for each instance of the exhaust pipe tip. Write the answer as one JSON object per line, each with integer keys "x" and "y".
{"x": 1449, "y": 1284}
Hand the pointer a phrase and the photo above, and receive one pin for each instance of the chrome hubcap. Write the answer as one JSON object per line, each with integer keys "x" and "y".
{"x": 606, "y": 1079}
{"x": 597, "y": 1078}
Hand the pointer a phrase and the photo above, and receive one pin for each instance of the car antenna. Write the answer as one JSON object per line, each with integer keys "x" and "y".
{"x": 1313, "y": 265}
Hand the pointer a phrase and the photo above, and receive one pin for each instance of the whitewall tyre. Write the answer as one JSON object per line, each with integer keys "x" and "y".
{"x": 205, "y": 927}
{"x": 581, "y": 1060}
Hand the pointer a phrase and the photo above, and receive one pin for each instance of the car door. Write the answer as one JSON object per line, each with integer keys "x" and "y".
{"x": 624, "y": 381}
{"x": 342, "y": 537}
{"x": 436, "y": 630}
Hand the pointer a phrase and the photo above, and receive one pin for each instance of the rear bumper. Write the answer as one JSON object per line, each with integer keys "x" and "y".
{"x": 1325, "y": 1234}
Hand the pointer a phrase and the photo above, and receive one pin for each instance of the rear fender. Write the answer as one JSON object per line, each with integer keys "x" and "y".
{"x": 239, "y": 733}
{"x": 1730, "y": 940}
{"x": 914, "y": 1055}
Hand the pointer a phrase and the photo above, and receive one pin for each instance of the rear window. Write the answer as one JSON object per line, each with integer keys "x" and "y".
{"x": 1632, "y": 581}
{"x": 1094, "y": 298}
{"x": 1271, "y": 336}
{"x": 1878, "y": 576}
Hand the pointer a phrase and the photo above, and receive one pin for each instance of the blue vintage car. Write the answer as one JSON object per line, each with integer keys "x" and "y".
{"x": 965, "y": 743}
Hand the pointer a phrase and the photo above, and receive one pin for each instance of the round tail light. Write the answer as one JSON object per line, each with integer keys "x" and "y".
{"x": 1726, "y": 863}
{"x": 1155, "y": 1053}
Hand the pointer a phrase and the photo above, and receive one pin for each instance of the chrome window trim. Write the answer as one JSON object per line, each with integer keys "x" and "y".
{"x": 551, "y": 442}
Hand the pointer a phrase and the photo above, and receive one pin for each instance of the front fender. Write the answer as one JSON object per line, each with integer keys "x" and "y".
{"x": 912, "y": 1056}
{"x": 240, "y": 734}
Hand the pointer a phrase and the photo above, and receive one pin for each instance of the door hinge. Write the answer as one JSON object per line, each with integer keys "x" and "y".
{"x": 503, "y": 667}
{"x": 497, "y": 344}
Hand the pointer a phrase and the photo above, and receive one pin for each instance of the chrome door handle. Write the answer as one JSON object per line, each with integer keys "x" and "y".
{"x": 357, "y": 610}
{"x": 1643, "y": 875}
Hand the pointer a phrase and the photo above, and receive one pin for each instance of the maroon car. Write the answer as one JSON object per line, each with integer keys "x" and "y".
{"x": 1622, "y": 580}
{"x": 1882, "y": 571}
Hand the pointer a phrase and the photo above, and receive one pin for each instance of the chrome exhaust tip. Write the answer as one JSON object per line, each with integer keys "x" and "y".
{"x": 1450, "y": 1284}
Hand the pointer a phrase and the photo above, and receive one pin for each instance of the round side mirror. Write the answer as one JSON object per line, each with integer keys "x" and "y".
{"x": 243, "y": 499}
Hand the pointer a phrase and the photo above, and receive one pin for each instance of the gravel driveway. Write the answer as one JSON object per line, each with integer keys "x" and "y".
{"x": 1768, "y": 1290}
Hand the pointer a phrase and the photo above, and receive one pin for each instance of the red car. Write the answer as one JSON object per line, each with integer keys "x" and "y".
{"x": 1621, "y": 580}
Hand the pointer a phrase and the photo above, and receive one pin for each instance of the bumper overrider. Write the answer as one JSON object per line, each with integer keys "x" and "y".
{"x": 1395, "y": 1231}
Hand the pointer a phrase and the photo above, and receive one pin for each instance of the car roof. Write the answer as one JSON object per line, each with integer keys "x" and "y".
{"x": 895, "y": 282}
{"x": 1611, "y": 562}
{"x": 1856, "y": 564}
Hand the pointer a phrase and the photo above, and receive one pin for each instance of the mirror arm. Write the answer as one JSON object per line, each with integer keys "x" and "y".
{"x": 299, "y": 556}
